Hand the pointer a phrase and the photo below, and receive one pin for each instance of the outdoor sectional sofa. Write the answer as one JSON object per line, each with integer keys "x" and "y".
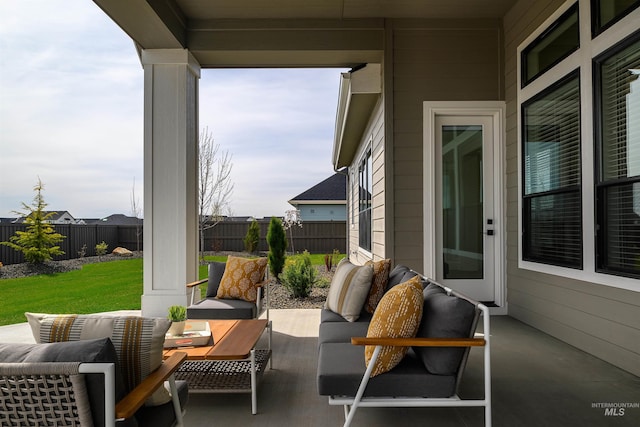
{"x": 427, "y": 376}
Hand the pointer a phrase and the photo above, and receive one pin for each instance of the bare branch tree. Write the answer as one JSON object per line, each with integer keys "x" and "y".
{"x": 215, "y": 183}
{"x": 136, "y": 212}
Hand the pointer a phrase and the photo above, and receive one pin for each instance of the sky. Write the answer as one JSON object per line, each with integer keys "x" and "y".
{"x": 71, "y": 115}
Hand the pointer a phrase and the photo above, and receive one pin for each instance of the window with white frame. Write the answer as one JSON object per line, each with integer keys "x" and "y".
{"x": 580, "y": 143}
{"x": 552, "y": 211}
{"x": 365, "y": 190}
{"x": 617, "y": 118}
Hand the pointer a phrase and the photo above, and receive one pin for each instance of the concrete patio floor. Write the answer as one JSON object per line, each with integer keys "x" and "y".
{"x": 537, "y": 381}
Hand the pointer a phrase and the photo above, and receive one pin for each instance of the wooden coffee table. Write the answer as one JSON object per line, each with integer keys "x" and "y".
{"x": 231, "y": 364}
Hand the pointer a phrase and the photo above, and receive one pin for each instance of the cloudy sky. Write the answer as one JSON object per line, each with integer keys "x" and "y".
{"x": 71, "y": 114}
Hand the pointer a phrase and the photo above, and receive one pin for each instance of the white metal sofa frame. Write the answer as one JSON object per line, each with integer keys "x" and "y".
{"x": 351, "y": 404}
{"x": 37, "y": 380}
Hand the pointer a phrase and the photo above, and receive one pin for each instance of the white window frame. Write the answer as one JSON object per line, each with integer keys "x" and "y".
{"x": 581, "y": 59}
{"x": 368, "y": 148}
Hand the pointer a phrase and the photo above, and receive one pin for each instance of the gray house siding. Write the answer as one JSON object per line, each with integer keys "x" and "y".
{"x": 433, "y": 61}
{"x": 372, "y": 136}
{"x": 601, "y": 320}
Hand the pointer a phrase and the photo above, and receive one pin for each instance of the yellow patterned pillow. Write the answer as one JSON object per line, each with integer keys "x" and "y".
{"x": 241, "y": 275}
{"x": 378, "y": 284}
{"x": 398, "y": 315}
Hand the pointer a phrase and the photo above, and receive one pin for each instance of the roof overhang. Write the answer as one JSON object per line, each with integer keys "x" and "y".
{"x": 359, "y": 93}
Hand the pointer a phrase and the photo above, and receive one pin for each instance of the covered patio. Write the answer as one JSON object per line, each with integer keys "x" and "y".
{"x": 537, "y": 381}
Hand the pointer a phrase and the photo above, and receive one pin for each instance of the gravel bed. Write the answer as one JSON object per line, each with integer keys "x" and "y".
{"x": 279, "y": 297}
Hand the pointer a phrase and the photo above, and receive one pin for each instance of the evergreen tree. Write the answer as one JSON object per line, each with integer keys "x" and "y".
{"x": 252, "y": 238}
{"x": 277, "y": 241}
{"x": 39, "y": 243}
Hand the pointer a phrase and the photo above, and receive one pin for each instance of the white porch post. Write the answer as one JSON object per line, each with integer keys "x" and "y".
{"x": 170, "y": 177}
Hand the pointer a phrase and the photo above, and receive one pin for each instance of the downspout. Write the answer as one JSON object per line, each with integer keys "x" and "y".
{"x": 345, "y": 172}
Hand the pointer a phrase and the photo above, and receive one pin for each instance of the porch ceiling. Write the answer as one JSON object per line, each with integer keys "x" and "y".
{"x": 281, "y": 33}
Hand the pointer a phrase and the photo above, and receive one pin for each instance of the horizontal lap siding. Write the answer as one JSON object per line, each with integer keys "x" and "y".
{"x": 374, "y": 132}
{"x": 601, "y": 320}
{"x": 433, "y": 61}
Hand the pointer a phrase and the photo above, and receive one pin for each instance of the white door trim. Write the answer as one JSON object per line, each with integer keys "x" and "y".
{"x": 496, "y": 110}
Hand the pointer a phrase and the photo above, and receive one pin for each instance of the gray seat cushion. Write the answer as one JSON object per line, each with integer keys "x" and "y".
{"x": 341, "y": 332}
{"x": 215, "y": 308}
{"x": 444, "y": 316}
{"x": 341, "y": 367}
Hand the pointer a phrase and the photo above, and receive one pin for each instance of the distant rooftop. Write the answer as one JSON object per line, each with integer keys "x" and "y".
{"x": 333, "y": 188}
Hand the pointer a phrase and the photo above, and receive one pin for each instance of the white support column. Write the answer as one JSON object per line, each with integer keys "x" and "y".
{"x": 170, "y": 177}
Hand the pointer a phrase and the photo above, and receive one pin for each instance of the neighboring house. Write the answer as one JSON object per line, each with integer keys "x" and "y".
{"x": 492, "y": 144}
{"x": 325, "y": 201}
{"x": 117, "y": 219}
{"x": 58, "y": 217}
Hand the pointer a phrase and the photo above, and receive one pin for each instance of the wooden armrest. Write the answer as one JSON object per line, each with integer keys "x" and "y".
{"x": 262, "y": 284}
{"x": 128, "y": 406}
{"x": 196, "y": 283}
{"x": 420, "y": 342}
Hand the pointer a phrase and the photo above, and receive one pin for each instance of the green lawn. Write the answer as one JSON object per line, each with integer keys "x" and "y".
{"x": 106, "y": 286}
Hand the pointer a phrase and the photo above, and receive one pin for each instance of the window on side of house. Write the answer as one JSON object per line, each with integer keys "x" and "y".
{"x": 605, "y": 13}
{"x": 556, "y": 43}
{"x": 617, "y": 115}
{"x": 552, "y": 202}
{"x": 364, "y": 205}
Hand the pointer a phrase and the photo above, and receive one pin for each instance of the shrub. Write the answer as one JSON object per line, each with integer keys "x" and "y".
{"x": 331, "y": 259}
{"x": 101, "y": 248}
{"x": 299, "y": 275}
{"x": 252, "y": 237}
{"x": 277, "y": 241}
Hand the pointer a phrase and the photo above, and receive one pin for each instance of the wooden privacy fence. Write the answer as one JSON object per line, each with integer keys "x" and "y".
{"x": 313, "y": 236}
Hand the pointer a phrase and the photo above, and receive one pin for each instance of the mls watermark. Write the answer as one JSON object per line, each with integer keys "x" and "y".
{"x": 615, "y": 409}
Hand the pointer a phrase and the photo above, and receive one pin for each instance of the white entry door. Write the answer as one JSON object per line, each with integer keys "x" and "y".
{"x": 465, "y": 213}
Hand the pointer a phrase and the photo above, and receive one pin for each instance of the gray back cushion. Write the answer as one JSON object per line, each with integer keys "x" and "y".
{"x": 216, "y": 270}
{"x": 444, "y": 316}
{"x": 399, "y": 274}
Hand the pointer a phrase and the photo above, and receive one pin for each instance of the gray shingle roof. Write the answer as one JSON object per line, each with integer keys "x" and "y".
{"x": 332, "y": 188}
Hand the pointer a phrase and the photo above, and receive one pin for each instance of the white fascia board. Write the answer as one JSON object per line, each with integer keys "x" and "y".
{"x": 359, "y": 92}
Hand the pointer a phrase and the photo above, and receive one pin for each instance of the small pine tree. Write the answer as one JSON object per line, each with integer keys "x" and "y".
{"x": 252, "y": 238}
{"x": 39, "y": 243}
{"x": 277, "y": 240}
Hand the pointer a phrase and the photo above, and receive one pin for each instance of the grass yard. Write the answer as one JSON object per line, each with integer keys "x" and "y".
{"x": 105, "y": 286}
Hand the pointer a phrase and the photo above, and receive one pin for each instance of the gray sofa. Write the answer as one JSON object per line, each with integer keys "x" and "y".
{"x": 430, "y": 373}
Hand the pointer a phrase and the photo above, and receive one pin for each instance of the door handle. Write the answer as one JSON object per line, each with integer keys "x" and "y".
{"x": 489, "y": 232}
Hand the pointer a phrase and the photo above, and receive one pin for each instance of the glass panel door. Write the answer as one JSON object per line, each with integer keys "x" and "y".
{"x": 464, "y": 205}
{"x": 462, "y": 224}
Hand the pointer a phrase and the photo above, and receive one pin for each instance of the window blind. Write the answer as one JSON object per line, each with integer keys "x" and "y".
{"x": 552, "y": 217}
{"x": 618, "y": 187}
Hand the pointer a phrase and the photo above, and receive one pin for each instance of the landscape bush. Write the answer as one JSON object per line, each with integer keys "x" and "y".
{"x": 277, "y": 241}
{"x": 299, "y": 275}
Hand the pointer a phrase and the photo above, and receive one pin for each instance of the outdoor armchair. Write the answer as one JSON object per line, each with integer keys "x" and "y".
{"x": 212, "y": 306}
{"x": 65, "y": 392}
